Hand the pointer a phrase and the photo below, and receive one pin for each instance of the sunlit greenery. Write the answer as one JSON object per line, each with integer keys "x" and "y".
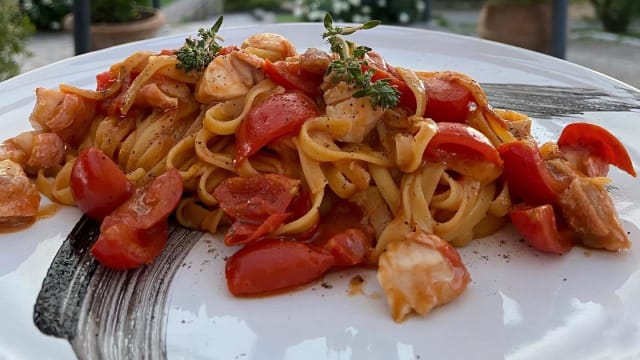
{"x": 15, "y": 27}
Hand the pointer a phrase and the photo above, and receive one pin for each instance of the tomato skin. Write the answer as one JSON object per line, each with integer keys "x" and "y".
{"x": 122, "y": 247}
{"x": 460, "y": 140}
{"x": 537, "y": 225}
{"x": 151, "y": 203}
{"x": 290, "y": 75}
{"x": 465, "y": 150}
{"x": 447, "y": 101}
{"x": 527, "y": 174}
{"x": 275, "y": 264}
{"x": 276, "y": 116}
{"x": 349, "y": 247}
{"x": 136, "y": 232}
{"x": 111, "y": 106}
{"x": 597, "y": 141}
{"x": 98, "y": 184}
{"x": 258, "y": 205}
{"x": 104, "y": 80}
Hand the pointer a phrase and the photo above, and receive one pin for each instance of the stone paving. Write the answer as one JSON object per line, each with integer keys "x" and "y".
{"x": 616, "y": 56}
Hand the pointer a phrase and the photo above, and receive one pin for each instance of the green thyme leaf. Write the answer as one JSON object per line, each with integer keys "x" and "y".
{"x": 196, "y": 54}
{"x": 352, "y": 68}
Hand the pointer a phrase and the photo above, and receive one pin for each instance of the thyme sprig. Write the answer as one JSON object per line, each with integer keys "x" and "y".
{"x": 196, "y": 54}
{"x": 352, "y": 67}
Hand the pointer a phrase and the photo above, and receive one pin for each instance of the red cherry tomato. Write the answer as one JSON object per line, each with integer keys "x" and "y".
{"x": 136, "y": 232}
{"x": 349, "y": 247}
{"x": 447, "y": 100}
{"x": 290, "y": 75}
{"x": 111, "y": 106}
{"x": 275, "y": 264}
{"x": 599, "y": 142}
{"x": 97, "y": 183}
{"x": 537, "y": 225}
{"x": 277, "y": 115}
{"x": 122, "y": 247}
{"x": 151, "y": 203}
{"x": 466, "y": 150}
{"x": 258, "y": 205}
{"x": 104, "y": 80}
{"x": 527, "y": 174}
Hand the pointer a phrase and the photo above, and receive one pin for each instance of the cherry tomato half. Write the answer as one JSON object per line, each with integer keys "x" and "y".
{"x": 121, "y": 246}
{"x": 104, "y": 80}
{"x": 447, "y": 100}
{"x": 537, "y": 225}
{"x": 466, "y": 150}
{"x": 349, "y": 247}
{"x": 290, "y": 75}
{"x": 277, "y": 115}
{"x": 98, "y": 184}
{"x": 135, "y": 233}
{"x": 599, "y": 142}
{"x": 258, "y": 205}
{"x": 527, "y": 174}
{"x": 275, "y": 264}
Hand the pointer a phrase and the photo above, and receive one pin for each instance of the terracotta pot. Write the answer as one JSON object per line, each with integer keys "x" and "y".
{"x": 527, "y": 26}
{"x": 104, "y": 35}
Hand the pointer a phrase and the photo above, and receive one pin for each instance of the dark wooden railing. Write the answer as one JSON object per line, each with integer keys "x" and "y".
{"x": 82, "y": 20}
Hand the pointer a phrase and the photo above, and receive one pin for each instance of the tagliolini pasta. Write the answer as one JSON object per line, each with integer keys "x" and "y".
{"x": 424, "y": 173}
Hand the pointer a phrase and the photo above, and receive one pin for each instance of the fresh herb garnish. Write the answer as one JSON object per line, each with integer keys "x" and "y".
{"x": 196, "y": 54}
{"x": 352, "y": 67}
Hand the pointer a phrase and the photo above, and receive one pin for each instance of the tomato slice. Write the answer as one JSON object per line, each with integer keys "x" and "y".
{"x": 527, "y": 174}
{"x": 122, "y": 247}
{"x": 599, "y": 142}
{"x": 447, "y": 100}
{"x": 290, "y": 75}
{"x": 465, "y": 150}
{"x": 275, "y": 264}
{"x": 151, "y": 203}
{"x": 537, "y": 225}
{"x": 349, "y": 247}
{"x": 258, "y": 204}
{"x": 136, "y": 232}
{"x": 276, "y": 116}
{"x": 104, "y": 80}
{"x": 98, "y": 184}
{"x": 407, "y": 98}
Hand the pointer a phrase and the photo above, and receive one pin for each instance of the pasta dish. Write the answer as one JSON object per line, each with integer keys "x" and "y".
{"x": 308, "y": 161}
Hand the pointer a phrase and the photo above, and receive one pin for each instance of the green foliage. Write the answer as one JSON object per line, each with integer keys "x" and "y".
{"x": 47, "y": 14}
{"x": 248, "y": 5}
{"x": 196, "y": 54}
{"x": 15, "y": 27}
{"x": 117, "y": 11}
{"x": 352, "y": 68}
{"x": 615, "y": 15}
{"x": 358, "y": 11}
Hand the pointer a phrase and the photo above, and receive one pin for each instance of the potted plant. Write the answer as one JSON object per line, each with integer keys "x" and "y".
{"x": 523, "y": 23}
{"x": 116, "y": 22}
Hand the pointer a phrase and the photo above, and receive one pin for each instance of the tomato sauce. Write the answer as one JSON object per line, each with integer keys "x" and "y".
{"x": 44, "y": 212}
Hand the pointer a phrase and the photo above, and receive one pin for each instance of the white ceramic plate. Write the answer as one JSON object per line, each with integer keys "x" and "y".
{"x": 521, "y": 304}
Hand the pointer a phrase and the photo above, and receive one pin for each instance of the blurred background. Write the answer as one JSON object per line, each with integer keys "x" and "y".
{"x": 603, "y": 35}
